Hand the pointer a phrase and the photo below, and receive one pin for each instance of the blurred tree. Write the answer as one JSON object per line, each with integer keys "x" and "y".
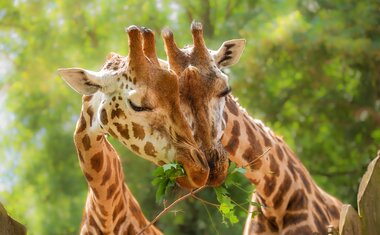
{"x": 311, "y": 71}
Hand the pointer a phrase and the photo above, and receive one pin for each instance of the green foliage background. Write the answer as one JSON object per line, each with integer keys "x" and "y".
{"x": 310, "y": 71}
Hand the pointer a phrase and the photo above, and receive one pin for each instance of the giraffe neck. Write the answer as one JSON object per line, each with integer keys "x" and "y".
{"x": 283, "y": 185}
{"x": 110, "y": 206}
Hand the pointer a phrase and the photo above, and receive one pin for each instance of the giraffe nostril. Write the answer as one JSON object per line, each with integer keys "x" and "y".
{"x": 199, "y": 156}
{"x": 217, "y": 159}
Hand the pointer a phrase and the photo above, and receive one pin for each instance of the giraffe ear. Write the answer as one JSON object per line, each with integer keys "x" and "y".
{"x": 87, "y": 82}
{"x": 229, "y": 53}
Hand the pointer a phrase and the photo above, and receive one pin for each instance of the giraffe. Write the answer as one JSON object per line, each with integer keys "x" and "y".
{"x": 110, "y": 206}
{"x": 137, "y": 102}
{"x": 292, "y": 201}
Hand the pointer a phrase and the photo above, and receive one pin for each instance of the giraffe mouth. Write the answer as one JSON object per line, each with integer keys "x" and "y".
{"x": 196, "y": 168}
{"x": 217, "y": 159}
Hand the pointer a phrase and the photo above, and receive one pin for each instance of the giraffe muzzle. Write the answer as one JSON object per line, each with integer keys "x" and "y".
{"x": 217, "y": 159}
{"x": 196, "y": 168}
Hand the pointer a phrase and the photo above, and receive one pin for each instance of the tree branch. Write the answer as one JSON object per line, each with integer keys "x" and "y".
{"x": 170, "y": 207}
{"x": 256, "y": 159}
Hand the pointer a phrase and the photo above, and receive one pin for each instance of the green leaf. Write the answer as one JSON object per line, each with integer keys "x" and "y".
{"x": 224, "y": 208}
{"x": 158, "y": 171}
{"x": 160, "y": 193}
{"x": 156, "y": 181}
{"x": 165, "y": 177}
{"x": 231, "y": 168}
{"x": 258, "y": 205}
{"x": 233, "y": 219}
{"x": 169, "y": 166}
{"x": 241, "y": 170}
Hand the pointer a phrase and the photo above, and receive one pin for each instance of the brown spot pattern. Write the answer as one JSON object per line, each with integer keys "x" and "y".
{"x": 272, "y": 224}
{"x": 149, "y": 149}
{"x": 258, "y": 223}
{"x": 320, "y": 227}
{"x": 320, "y": 213}
{"x": 94, "y": 225}
{"x": 86, "y": 142}
{"x": 270, "y": 185}
{"x": 97, "y": 161}
{"x": 107, "y": 174}
{"x": 293, "y": 169}
{"x": 80, "y": 156}
{"x": 278, "y": 198}
{"x": 304, "y": 230}
{"x": 267, "y": 141}
{"x": 119, "y": 113}
{"x": 273, "y": 166}
{"x": 292, "y": 219}
{"x": 118, "y": 208}
{"x": 334, "y": 212}
{"x": 280, "y": 153}
{"x": 225, "y": 116}
{"x": 119, "y": 222}
{"x": 123, "y": 130}
{"x": 87, "y": 98}
{"x": 136, "y": 211}
{"x": 112, "y": 133}
{"x": 96, "y": 193}
{"x": 103, "y": 117}
{"x": 232, "y": 106}
{"x": 103, "y": 210}
{"x": 319, "y": 196}
{"x": 232, "y": 145}
{"x": 298, "y": 201}
{"x": 82, "y": 124}
{"x": 250, "y": 156}
{"x": 254, "y": 142}
{"x": 236, "y": 129}
{"x": 138, "y": 131}
{"x": 111, "y": 191}
{"x": 90, "y": 113}
{"x": 305, "y": 180}
{"x": 135, "y": 148}
{"x": 88, "y": 177}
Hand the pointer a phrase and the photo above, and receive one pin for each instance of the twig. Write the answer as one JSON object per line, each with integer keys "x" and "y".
{"x": 170, "y": 207}
{"x": 210, "y": 217}
{"x": 241, "y": 188}
{"x": 240, "y": 206}
{"x": 204, "y": 201}
{"x": 256, "y": 159}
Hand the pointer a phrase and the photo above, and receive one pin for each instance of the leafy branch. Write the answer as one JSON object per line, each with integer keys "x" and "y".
{"x": 165, "y": 179}
{"x": 170, "y": 207}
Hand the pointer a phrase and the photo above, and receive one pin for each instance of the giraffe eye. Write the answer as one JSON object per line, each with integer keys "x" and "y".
{"x": 225, "y": 92}
{"x": 137, "y": 108}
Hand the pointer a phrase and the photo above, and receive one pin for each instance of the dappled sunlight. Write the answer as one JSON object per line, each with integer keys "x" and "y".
{"x": 283, "y": 28}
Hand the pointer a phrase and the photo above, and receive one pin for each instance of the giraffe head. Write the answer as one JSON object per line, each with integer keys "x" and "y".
{"x": 203, "y": 87}
{"x": 137, "y": 102}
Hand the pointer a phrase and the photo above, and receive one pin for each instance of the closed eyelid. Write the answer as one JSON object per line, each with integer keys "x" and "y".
{"x": 225, "y": 92}
{"x": 138, "y": 108}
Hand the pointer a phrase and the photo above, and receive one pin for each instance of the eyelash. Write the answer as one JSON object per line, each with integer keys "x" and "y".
{"x": 225, "y": 92}
{"x": 138, "y": 108}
